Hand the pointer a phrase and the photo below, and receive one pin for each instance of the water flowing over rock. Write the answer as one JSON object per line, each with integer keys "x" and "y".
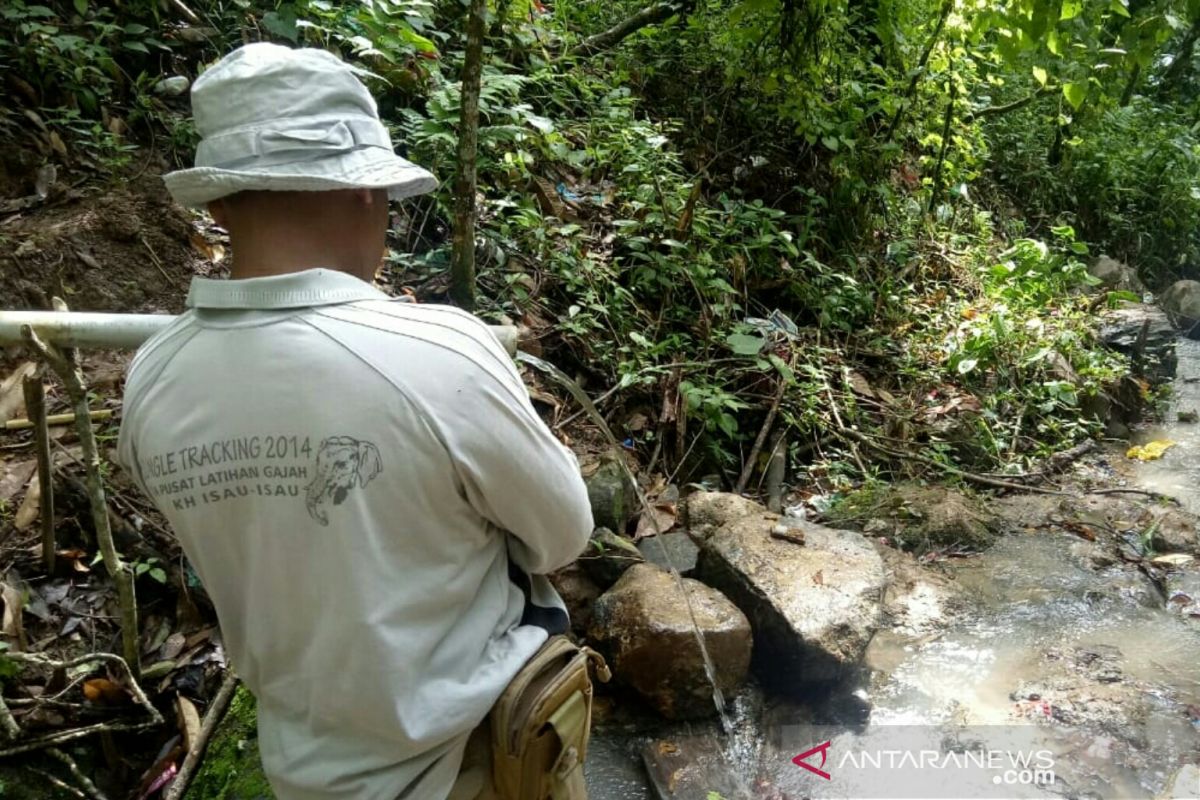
{"x": 643, "y": 627}
{"x": 1182, "y": 303}
{"x": 814, "y": 607}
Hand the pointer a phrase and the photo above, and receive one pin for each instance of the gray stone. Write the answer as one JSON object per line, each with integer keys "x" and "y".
{"x": 1183, "y": 593}
{"x": 612, "y": 495}
{"x": 1182, "y": 304}
{"x": 608, "y": 556}
{"x": 1175, "y": 532}
{"x": 1121, "y": 329}
{"x": 1115, "y": 276}
{"x": 680, "y": 551}
{"x": 922, "y": 518}
{"x": 644, "y": 628}
{"x": 814, "y": 607}
{"x": 705, "y": 512}
{"x": 1183, "y": 785}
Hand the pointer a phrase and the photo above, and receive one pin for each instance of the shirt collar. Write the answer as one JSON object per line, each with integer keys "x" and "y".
{"x": 312, "y": 287}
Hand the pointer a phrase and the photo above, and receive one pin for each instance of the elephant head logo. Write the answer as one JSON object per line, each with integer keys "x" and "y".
{"x": 342, "y": 464}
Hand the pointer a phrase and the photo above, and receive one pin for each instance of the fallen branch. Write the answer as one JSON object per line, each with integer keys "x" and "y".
{"x": 982, "y": 480}
{"x": 66, "y": 366}
{"x": 651, "y": 15}
{"x": 1145, "y": 492}
{"x": 212, "y": 717}
{"x": 760, "y": 440}
{"x": 994, "y": 111}
{"x": 89, "y": 788}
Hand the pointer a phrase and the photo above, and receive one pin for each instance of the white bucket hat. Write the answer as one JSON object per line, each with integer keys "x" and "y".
{"x": 274, "y": 118}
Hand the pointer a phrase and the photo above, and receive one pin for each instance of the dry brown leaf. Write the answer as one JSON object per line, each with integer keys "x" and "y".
{"x": 819, "y": 578}
{"x": 173, "y": 646}
{"x": 189, "y": 721}
{"x": 664, "y": 514}
{"x": 31, "y": 506}
{"x": 104, "y": 692}
{"x": 10, "y": 622}
{"x": 14, "y": 476}
{"x": 12, "y": 392}
{"x": 209, "y": 250}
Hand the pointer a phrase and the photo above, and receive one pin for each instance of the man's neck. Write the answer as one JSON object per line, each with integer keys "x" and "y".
{"x": 261, "y": 260}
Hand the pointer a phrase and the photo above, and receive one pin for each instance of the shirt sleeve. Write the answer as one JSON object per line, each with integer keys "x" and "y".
{"x": 514, "y": 472}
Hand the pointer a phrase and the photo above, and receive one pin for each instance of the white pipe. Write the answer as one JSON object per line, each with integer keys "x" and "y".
{"x": 123, "y": 331}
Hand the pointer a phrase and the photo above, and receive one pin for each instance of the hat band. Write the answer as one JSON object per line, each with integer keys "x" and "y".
{"x": 302, "y": 140}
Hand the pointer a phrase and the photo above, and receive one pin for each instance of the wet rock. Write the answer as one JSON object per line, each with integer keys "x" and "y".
{"x": 705, "y": 512}
{"x": 1115, "y": 276}
{"x": 1121, "y": 329}
{"x": 923, "y": 518}
{"x": 643, "y": 626}
{"x": 1183, "y": 593}
{"x": 612, "y": 495}
{"x": 1183, "y": 785}
{"x": 172, "y": 86}
{"x": 918, "y": 600}
{"x": 680, "y": 551}
{"x": 814, "y": 607}
{"x": 1175, "y": 532}
{"x": 608, "y": 556}
{"x": 578, "y": 592}
{"x": 1182, "y": 304}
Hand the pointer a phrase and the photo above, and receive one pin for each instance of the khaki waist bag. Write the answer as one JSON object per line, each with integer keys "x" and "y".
{"x": 541, "y": 722}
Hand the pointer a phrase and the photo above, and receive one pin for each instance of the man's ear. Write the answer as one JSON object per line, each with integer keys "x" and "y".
{"x": 219, "y": 210}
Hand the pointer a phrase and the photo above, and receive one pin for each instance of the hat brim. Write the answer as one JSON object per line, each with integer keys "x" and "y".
{"x": 368, "y": 168}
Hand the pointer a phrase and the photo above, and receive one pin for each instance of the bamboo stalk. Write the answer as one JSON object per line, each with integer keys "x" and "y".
{"x": 35, "y": 407}
{"x": 54, "y": 419}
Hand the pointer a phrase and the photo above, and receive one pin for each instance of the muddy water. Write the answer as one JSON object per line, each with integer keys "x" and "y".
{"x": 1086, "y": 658}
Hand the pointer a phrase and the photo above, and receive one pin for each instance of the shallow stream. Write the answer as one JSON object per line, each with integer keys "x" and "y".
{"x": 1084, "y": 661}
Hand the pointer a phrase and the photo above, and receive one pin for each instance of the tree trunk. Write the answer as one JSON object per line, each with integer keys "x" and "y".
{"x": 651, "y": 15}
{"x": 462, "y": 263}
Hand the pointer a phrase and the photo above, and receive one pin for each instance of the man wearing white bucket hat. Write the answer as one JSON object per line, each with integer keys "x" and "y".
{"x": 362, "y": 484}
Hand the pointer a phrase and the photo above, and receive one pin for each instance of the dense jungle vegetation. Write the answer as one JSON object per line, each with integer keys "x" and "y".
{"x": 874, "y": 215}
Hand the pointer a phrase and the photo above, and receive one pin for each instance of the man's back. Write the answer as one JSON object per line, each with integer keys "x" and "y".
{"x": 340, "y": 469}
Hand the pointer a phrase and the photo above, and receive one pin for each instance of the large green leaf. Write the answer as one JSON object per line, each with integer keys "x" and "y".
{"x": 1076, "y": 93}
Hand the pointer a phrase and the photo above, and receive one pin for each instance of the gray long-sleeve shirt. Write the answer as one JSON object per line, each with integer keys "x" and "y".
{"x": 365, "y": 490}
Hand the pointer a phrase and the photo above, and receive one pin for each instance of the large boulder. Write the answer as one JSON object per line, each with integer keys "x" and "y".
{"x": 1145, "y": 334}
{"x": 675, "y": 549}
{"x": 813, "y": 606}
{"x": 920, "y": 518}
{"x": 705, "y": 512}
{"x": 1182, "y": 303}
{"x": 644, "y": 628}
{"x": 1115, "y": 276}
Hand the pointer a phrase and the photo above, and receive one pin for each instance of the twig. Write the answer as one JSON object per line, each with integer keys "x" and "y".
{"x": 88, "y": 787}
{"x": 157, "y": 263}
{"x": 186, "y": 12}
{"x": 761, "y": 439}
{"x": 212, "y": 717}
{"x": 67, "y": 368}
{"x": 8, "y": 725}
{"x": 609, "y": 393}
{"x": 35, "y": 407}
{"x": 154, "y": 718}
{"x": 57, "y": 783}
{"x": 1147, "y": 493}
